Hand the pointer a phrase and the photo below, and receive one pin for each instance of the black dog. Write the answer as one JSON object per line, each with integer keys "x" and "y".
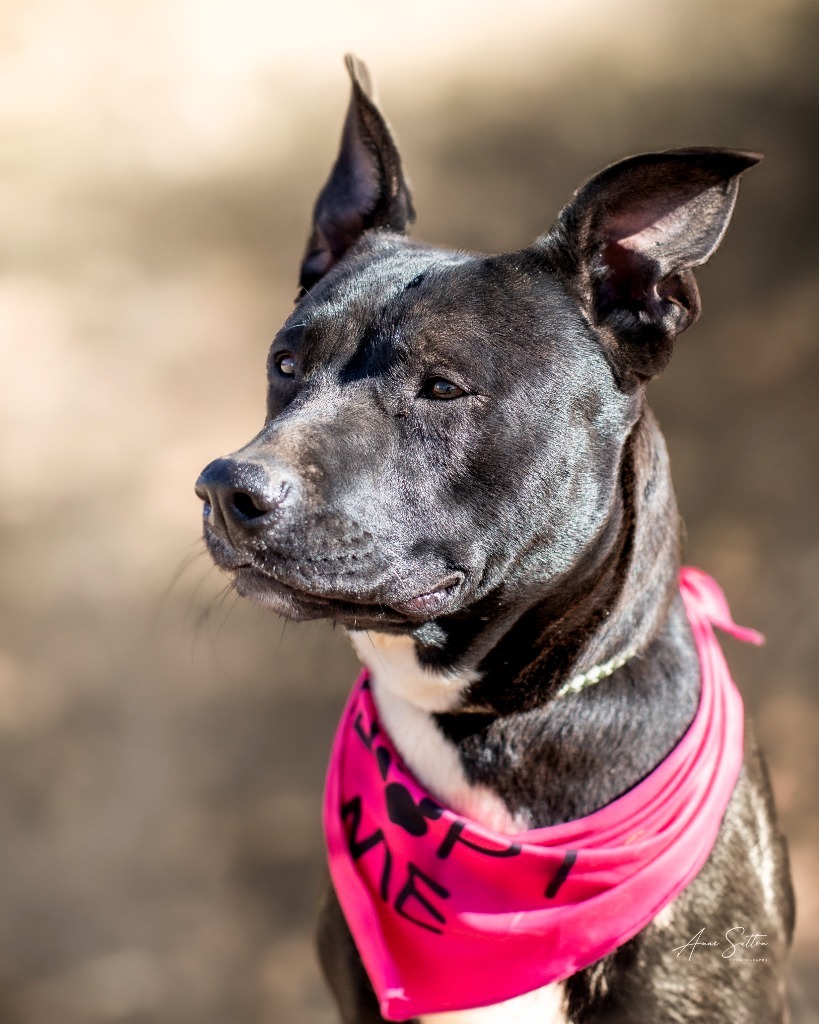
{"x": 459, "y": 465}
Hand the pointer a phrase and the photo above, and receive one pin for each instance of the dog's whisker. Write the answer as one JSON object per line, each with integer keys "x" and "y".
{"x": 185, "y": 563}
{"x": 281, "y": 635}
{"x": 377, "y": 653}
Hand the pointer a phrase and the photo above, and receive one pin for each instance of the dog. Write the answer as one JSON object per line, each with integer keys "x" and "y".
{"x": 459, "y": 466}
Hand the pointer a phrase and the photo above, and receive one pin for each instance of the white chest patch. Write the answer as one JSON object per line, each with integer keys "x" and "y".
{"x": 393, "y": 664}
{"x": 406, "y": 693}
{"x": 543, "y": 1006}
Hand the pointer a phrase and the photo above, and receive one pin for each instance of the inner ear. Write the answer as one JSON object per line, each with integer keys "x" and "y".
{"x": 631, "y": 281}
{"x": 634, "y": 233}
{"x": 366, "y": 188}
{"x": 649, "y": 243}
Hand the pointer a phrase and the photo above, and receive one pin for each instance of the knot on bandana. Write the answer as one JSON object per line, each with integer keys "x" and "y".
{"x": 449, "y": 915}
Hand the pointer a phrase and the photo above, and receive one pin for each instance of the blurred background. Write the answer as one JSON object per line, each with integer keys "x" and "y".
{"x": 164, "y": 744}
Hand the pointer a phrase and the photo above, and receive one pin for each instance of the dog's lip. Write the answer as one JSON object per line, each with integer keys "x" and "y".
{"x": 431, "y": 601}
{"x": 253, "y": 579}
{"x": 419, "y": 607}
{"x": 250, "y": 578}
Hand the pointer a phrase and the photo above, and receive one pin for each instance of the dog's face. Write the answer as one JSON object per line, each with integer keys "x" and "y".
{"x": 433, "y": 421}
{"x": 444, "y": 431}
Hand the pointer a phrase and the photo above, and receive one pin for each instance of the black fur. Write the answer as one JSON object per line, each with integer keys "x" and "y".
{"x": 525, "y": 528}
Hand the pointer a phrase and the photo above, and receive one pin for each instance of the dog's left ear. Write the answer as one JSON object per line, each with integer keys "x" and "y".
{"x": 366, "y": 188}
{"x": 630, "y": 239}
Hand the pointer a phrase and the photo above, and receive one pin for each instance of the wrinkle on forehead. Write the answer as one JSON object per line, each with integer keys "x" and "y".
{"x": 374, "y": 280}
{"x": 374, "y": 308}
{"x": 395, "y": 308}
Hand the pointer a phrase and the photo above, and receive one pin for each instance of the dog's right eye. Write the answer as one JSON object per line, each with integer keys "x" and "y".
{"x": 285, "y": 363}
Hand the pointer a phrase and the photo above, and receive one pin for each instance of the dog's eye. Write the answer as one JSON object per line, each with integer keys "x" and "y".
{"x": 285, "y": 363}
{"x": 442, "y": 389}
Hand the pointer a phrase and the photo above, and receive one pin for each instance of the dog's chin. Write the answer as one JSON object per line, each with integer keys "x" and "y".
{"x": 393, "y": 615}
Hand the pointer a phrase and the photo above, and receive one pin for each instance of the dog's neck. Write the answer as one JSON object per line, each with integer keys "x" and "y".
{"x": 488, "y": 735}
{"x": 615, "y": 600}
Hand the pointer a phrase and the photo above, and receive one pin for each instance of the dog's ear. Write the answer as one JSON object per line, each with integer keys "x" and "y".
{"x": 366, "y": 188}
{"x": 630, "y": 239}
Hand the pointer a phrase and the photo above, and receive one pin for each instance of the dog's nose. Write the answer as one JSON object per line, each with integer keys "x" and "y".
{"x": 241, "y": 497}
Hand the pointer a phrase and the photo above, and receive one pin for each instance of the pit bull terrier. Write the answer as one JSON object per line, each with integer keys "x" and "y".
{"x": 459, "y": 466}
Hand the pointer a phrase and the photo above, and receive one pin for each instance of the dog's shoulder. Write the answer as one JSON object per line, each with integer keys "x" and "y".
{"x": 719, "y": 951}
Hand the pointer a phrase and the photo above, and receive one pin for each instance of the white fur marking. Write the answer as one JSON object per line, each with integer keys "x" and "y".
{"x": 405, "y": 693}
{"x": 543, "y": 1006}
{"x": 392, "y": 662}
{"x": 665, "y": 918}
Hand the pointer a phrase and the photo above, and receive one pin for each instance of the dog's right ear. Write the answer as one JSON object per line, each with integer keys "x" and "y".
{"x": 366, "y": 188}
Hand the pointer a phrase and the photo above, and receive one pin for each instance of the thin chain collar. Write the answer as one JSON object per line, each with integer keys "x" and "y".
{"x": 594, "y": 675}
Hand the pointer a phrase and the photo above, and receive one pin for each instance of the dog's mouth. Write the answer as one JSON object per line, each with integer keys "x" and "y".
{"x": 297, "y": 603}
{"x": 304, "y": 600}
{"x": 434, "y": 601}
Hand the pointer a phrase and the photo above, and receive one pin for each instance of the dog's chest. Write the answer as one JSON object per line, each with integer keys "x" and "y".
{"x": 543, "y": 1006}
{"x": 406, "y": 695}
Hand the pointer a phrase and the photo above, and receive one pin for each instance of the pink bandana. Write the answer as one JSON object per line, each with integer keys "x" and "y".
{"x": 449, "y": 915}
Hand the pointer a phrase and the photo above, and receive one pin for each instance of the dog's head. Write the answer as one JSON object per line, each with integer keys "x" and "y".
{"x": 445, "y": 430}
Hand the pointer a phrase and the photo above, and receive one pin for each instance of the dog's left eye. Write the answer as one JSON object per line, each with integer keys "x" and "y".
{"x": 285, "y": 364}
{"x": 442, "y": 389}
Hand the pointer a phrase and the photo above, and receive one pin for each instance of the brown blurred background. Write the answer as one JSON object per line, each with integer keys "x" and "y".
{"x": 163, "y": 744}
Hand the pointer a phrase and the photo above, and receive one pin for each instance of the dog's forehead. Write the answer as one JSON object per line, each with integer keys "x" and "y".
{"x": 404, "y": 299}
{"x": 384, "y": 288}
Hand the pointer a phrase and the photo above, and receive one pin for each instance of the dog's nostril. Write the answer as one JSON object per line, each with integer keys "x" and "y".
{"x": 244, "y": 504}
{"x": 240, "y": 495}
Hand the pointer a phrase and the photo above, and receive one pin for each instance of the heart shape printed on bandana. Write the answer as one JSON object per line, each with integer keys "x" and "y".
{"x": 406, "y": 813}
